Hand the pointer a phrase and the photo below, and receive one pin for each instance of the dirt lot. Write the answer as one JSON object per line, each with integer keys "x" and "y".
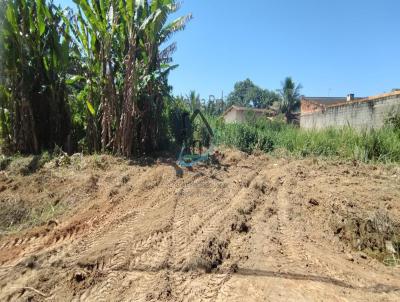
{"x": 253, "y": 228}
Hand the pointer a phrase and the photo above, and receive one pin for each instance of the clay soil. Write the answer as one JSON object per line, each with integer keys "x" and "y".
{"x": 250, "y": 228}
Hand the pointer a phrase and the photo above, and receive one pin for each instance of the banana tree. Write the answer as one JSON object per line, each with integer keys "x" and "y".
{"x": 155, "y": 64}
{"x": 120, "y": 41}
{"x": 35, "y": 56}
{"x": 4, "y": 94}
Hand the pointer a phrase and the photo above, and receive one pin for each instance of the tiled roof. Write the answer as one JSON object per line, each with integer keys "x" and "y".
{"x": 324, "y": 100}
{"x": 338, "y": 101}
{"x": 357, "y": 100}
{"x": 327, "y": 101}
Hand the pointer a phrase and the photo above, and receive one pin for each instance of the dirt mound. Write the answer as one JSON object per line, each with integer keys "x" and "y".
{"x": 251, "y": 228}
{"x": 377, "y": 235}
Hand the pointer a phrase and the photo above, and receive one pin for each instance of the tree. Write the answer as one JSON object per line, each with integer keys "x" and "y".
{"x": 35, "y": 43}
{"x": 265, "y": 99}
{"x": 108, "y": 64}
{"x": 4, "y": 94}
{"x": 126, "y": 70}
{"x": 214, "y": 106}
{"x": 193, "y": 100}
{"x": 247, "y": 94}
{"x": 290, "y": 97}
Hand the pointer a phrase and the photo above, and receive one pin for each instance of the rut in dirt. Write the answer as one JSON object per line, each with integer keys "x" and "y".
{"x": 156, "y": 236}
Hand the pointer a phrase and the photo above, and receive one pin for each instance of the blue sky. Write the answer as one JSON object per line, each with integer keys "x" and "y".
{"x": 331, "y": 47}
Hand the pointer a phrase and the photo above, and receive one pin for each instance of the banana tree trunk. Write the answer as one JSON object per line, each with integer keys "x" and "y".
{"x": 127, "y": 127}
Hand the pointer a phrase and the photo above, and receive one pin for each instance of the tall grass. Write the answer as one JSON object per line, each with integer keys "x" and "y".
{"x": 381, "y": 145}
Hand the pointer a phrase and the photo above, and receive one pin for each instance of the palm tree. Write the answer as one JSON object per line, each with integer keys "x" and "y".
{"x": 290, "y": 97}
{"x": 193, "y": 100}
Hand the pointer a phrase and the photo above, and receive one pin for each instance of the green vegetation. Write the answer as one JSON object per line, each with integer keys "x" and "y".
{"x": 290, "y": 98}
{"x": 16, "y": 215}
{"x": 97, "y": 78}
{"x": 247, "y": 94}
{"x": 394, "y": 120}
{"x": 381, "y": 145}
{"x": 35, "y": 59}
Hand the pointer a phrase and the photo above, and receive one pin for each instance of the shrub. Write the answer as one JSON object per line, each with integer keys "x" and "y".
{"x": 394, "y": 121}
{"x": 381, "y": 145}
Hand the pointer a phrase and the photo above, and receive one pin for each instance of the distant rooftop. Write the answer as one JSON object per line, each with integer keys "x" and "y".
{"x": 325, "y": 102}
{"x": 329, "y": 101}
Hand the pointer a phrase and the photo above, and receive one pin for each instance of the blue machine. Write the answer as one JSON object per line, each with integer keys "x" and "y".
{"x": 191, "y": 152}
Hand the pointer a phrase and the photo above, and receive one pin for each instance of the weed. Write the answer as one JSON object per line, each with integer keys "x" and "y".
{"x": 16, "y": 215}
{"x": 4, "y": 162}
{"x": 99, "y": 162}
{"x": 35, "y": 163}
{"x": 382, "y": 145}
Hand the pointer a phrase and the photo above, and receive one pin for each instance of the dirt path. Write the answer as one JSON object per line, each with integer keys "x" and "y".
{"x": 253, "y": 229}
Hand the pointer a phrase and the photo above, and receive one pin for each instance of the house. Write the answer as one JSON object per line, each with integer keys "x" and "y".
{"x": 236, "y": 114}
{"x": 358, "y": 113}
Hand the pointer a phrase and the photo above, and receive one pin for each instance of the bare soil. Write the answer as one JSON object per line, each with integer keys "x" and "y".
{"x": 251, "y": 228}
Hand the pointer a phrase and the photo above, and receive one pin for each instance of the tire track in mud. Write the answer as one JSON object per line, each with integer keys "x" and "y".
{"x": 130, "y": 254}
{"x": 173, "y": 245}
{"x": 179, "y": 230}
{"x": 30, "y": 244}
{"x": 186, "y": 290}
{"x": 302, "y": 260}
{"x": 53, "y": 236}
{"x": 100, "y": 292}
{"x": 293, "y": 246}
{"x": 151, "y": 248}
{"x": 121, "y": 237}
{"x": 87, "y": 232}
{"x": 181, "y": 247}
{"x": 121, "y": 245}
{"x": 185, "y": 227}
{"x": 205, "y": 287}
{"x": 220, "y": 221}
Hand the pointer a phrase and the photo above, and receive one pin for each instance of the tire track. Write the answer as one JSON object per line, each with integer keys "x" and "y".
{"x": 293, "y": 246}
{"x": 218, "y": 223}
{"x": 100, "y": 292}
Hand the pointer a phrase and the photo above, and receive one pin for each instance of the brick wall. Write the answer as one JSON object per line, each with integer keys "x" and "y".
{"x": 307, "y": 106}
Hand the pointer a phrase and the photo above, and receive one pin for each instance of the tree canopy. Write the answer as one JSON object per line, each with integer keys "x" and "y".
{"x": 248, "y": 94}
{"x": 290, "y": 97}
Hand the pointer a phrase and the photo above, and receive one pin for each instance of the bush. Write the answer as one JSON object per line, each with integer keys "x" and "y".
{"x": 394, "y": 121}
{"x": 17, "y": 214}
{"x": 381, "y": 145}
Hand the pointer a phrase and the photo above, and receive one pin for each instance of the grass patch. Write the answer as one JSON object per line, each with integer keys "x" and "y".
{"x": 16, "y": 215}
{"x": 381, "y": 145}
{"x": 5, "y": 162}
{"x": 25, "y": 165}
